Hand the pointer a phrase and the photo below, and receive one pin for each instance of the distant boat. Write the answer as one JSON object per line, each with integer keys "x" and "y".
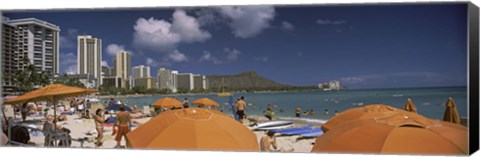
{"x": 223, "y": 93}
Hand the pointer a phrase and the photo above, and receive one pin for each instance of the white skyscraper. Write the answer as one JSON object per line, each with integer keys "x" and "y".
{"x": 122, "y": 68}
{"x": 89, "y": 57}
{"x": 39, "y": 41}
{"x": 141, "y": 71}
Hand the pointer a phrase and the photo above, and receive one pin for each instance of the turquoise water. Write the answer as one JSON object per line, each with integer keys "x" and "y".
{"x": 430, "y": 102}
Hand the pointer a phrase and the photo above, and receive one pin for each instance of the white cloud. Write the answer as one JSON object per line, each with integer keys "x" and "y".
{"x": 104, "y": 63}
{"x": 160, "y": 35}
{"x": 232, "y": 54}
{"x": 330, "y": 22}
{"x": 287, "y": 26}
{"x": 177, "y": 56}
{"x": 113, "y": 49}
{"x": 188, "y": 28}
{"x": 69, "y": 40}
{"x": 68, "y": 62}
{"x": 208, "y": 57}
{"x": 226, "y": 56}
{"x": 248, "y": 21}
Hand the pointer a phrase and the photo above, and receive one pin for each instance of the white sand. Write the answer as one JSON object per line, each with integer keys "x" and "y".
{"x": 80, "y": 127}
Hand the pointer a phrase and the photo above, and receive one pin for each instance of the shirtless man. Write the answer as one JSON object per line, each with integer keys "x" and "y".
{"x": 122, "y": 120}
{"x": 240, "y": 106}
{"x": 270, "y": 140}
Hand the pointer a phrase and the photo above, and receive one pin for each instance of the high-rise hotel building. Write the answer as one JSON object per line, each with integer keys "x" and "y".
{"x": 39, "y": 41}
{"x": 122, "y": 68}
{"x": 28, "y": 40}
{"x": 142, "y": 77}
{"x": 89, "y": 57}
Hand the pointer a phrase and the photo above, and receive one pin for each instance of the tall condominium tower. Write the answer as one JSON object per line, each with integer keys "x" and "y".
{"x": 89, "y": 57}
{"x": 122, "y": 68}
{"x": 39, "y": 41}
{"x": 141, "y": 71}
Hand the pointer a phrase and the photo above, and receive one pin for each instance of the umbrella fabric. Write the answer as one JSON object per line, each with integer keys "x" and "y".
{"x": 397, "y": 133}
{"x": 205, "y": 102}
{"x": 167, "y": 103}
{"x": 51, "y": 92}
{"x": 193, "y": 129}
{"x": 365, "y": 112}
{"x": 410, "y": 107}
{"x": 116, "y": 107}
{"x": 451, "y": 113}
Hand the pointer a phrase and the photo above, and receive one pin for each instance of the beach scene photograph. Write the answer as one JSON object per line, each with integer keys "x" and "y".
{"x": 316, "y": 79}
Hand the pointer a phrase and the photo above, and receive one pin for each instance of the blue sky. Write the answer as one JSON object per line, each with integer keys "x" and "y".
{"x": 362, "y": 46}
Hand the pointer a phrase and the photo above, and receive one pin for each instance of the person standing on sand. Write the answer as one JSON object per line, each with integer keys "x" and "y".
{"x": 240, "y": 106}
{"x": 123, "y": 121}
{"x": 270, "y": 140}
{"x": 99, "y": 120}
{"x": 24, "y": 111}
{"x": 298, "y": 110}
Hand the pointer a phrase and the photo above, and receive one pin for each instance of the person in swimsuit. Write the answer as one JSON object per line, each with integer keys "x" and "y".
{"x": 298, "y": 110}
{"x": 123, "y": 121}
{"x": 270, "y": 140}
{"x": 99, "y": 120}
{"x": 185, "y": 103}
{"x": 240, "y": 106}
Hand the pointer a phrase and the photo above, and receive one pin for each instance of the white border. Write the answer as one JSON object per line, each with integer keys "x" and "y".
{"x": 9, "y": 5}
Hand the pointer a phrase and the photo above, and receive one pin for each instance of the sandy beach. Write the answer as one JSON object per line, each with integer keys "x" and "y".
{"x": 85, "y": 128}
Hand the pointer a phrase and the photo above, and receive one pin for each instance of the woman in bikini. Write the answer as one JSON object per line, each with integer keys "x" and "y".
{"x": 99, "y": 125}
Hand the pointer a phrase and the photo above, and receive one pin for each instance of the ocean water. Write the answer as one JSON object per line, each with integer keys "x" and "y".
{"x": 430, "y": 102}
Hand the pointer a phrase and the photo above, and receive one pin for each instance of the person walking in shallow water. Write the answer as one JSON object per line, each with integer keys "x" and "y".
{"x": 240, "y": 106}
{"x": 298, "y": 110}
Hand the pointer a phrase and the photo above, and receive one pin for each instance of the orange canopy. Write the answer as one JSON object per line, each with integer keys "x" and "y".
{"x": 205, "y": 102}
{"x": 366, "y": 112}
{"x": 451, "y": 113}
{"x": 397, "y": 133}
{"x": 51, "y": 92}
{"x": 167, "y": 103}
{"x": 410, "y": 107}
{"x": 193, "y": 129}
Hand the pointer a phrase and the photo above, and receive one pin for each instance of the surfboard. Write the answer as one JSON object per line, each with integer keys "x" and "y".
{"x": 273, "y": 124}
{"x": 302, "y": 131}
{"x": 292, "y": 128}
{"x": 313, "y": 134}
{"x": 273, "y": 127}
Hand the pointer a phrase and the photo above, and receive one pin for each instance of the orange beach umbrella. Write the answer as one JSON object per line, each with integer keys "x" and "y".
{"x": 51, "y": 92}
{"x": 451, "y": 113}
{"x": 167, "y": 103}
{"x": 193, "y": 129}
{"x": 397, "y": 133}
{"x": 409, "y": 106}
{"x": 366, "y": 112}
{"x": 205, "y": 102}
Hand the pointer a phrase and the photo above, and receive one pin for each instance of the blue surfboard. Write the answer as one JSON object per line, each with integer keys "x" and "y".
{"x": 313, "y": 134}
{"x": 303, "y": 131}
{"x": 292, "y": 128}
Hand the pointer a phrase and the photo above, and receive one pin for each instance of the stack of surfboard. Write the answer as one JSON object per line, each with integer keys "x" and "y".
{"x": 285, "y": 128}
